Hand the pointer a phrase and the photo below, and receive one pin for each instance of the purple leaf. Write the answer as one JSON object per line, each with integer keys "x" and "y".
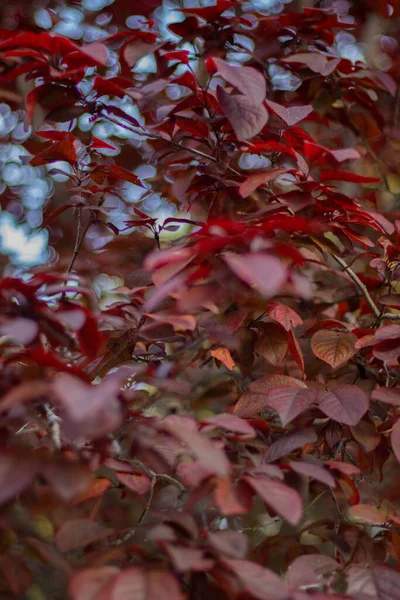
{"x": 246, "y": 117}
{"x": 247, "y": 80}
{"x": 291, "y": 115}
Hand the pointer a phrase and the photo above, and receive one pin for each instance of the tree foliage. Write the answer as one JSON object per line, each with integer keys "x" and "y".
{"x": 200, "y": 382}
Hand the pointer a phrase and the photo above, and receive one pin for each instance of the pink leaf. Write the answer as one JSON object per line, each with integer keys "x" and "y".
{"x": 259, "y": 582}
{"x": 318, "y": 63}
{"x": 87, "y": 584}
{"x": 308, "y": 570}
{"x": 387, "y": 395}
{"x": 247, "y": 80}
{"x": 20, "y": 330}
{"x": 90, "y": 410}
{"x": 291, "y": 115}
{"x": 229, "y": 543}
{"x": 289, "y": 401}
{"x": 260, "y": 271}
{"x": 202, "y": 447}
{"x": 246, "y": 117}
{"x": 345, "y": 403}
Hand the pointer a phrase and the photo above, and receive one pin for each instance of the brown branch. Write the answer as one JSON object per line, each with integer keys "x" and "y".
{"x": 363, "y": 289}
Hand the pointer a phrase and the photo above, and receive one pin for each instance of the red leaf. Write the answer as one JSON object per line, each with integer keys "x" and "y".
{"x": 16, "y": 574}
{"x": 138, "y": 584}
{"x": 96, "y": 143}
{"x": 56, "y": 136}
{"x": 232, "y": 498}
{"x": 229, "y": 543}
{"x": 63, "y": 150}
{"x": 346, "y": 176}
{"x": 89, "y": 410}
{"x": 366, "y": 513}
{"x": 387, "y": 395}
{"x": 284, "y": 500}
{"x": 90, "y": 337}
{"x": 258, "y": 179}
{"x": 289, "y": 401}
{"x": 308, "y": 570}
{"x": 87, "y": 584}
{"x": 314, "y": 471}
{"x": 344, "y": 403}
{"x": 342, "y": 467}
{"x": 203, "y": 448}
{"x": 395, "y": 439}
{"x": 292, "y": 114}
{"x": 381, "y": 581}
{"x": 136, "y": 482}
{"x": 113, "y": 173}
{"x": 290, "y": 442}
{"x": 67, "y": 479}
{"x": 187, "y": 80}
{"x": 333, "y": 347}
{"x": 259, "y": 582}
{"x": 232, "y": 423}
{"x": 295, "y": 351}
{"x": 247, "y": 80}
{"x": 273, "y": 343}
{"x": 16, "y": 474}
{"x": 131, "y": 53}
{"x": 186, "y": 559}
{"x": 284, "y": 315}
{"x": 254, "y": 400}
{"x": 97, "y": 488}
{"x": 260, "y": 271}
{"x": 224, "y": 356}
{"x": 54, "y": 213}
{"x": 77, "y": 533}
{"x": 246, "y": 118}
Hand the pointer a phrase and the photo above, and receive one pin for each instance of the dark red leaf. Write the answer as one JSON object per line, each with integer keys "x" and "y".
{"x": 78, "y": 533}
{"x": 329, "y": 175}
{"x": 246, "y": 80}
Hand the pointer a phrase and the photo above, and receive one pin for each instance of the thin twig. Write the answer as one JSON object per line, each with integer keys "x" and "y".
{"x": 80, "y": 236}
{"x": 363, "y": 289}
{"x": 154, "y": 477}
{"x": 54, "y": 426}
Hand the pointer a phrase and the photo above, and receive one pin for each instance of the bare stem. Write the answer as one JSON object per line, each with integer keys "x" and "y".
{"x": 363, "y": 289}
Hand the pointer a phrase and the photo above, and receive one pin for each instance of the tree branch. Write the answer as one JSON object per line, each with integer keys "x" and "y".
{"x": 363, "y": 289}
